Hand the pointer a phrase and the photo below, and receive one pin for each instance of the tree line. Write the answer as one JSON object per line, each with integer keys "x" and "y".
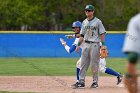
{"x": 59, "y": 14}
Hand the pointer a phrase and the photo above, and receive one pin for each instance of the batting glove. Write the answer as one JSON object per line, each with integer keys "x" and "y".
{"x": 70, "y": 36}
{"x": 62, "y": 41}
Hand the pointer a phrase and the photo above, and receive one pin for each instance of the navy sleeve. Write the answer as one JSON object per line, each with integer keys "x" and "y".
{"x": 72, "y": 48}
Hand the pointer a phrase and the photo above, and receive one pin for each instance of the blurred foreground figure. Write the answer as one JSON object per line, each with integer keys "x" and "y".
{"x": 132, "y": 49}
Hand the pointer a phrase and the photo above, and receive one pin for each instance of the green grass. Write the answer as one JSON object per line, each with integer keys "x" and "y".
{"x": 49, "y": 66}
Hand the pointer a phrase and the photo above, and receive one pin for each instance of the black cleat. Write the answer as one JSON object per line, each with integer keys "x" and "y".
{"x": 79, "y": 85}
{"x": 94, "y": 85}
{"x": 75, "y": 84}
{"x": 119, "y": 79}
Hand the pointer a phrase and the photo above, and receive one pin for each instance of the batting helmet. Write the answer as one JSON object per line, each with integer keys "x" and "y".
{"x": 77, "y": 24}
{"x": 89, "y": 7}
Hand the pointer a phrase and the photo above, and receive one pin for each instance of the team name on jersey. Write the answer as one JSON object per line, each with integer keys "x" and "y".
{"x": 90, "y": 28}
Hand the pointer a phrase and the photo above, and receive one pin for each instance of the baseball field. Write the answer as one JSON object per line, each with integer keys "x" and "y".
{"x": 53, "y": 75}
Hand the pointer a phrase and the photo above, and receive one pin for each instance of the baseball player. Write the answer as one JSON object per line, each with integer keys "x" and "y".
{"x": 102, "y": 66}
{"x": 92, "y": 33}
{"x": 76, "y": 26}
{"x": 132, "y": 49}
{"x": 107, "y": 70}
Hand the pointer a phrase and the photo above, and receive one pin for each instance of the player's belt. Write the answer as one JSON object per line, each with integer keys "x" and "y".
{"x": 89, "y": 42}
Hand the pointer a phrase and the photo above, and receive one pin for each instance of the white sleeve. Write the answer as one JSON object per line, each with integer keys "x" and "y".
{"x": 82, "y": 31}
{"x": 132, "y": 39}
{"x": 67, "y": 48}
{"x": 101, "y": 28}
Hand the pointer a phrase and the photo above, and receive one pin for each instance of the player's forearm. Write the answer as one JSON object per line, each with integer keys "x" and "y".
{"x": 70, "y": 49}
{"x": 131, "y": 69}
{"x": 102, "y": 39}
{"x": 80, "y": 41}
{"x": 67, "y": 48}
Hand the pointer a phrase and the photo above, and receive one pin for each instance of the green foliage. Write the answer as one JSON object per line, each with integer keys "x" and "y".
{"x": 17, "y": 13}
{"x": 56, "y": 14}
{"x": 116, "y": 13}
